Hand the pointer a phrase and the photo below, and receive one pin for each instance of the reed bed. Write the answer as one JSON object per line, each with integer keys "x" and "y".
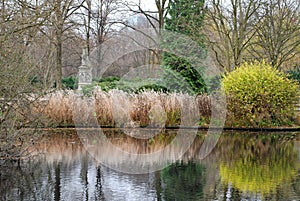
{"x": 120, "y": 109}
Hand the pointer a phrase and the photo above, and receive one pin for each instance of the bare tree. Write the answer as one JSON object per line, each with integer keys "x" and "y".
{"x": 230, "y": 29}
{"x": 103, "y": 19}
{"x": 43, "y": 55}
{"x": 87, "y": 22}
{"x": 19, "y": 25}
{"x": 154, "y": 17}
{"x": 278, "y": 32}
{"x": 61, "y": 21}
{"x": 146, "y": 18}
{"x": 98, "y": 19}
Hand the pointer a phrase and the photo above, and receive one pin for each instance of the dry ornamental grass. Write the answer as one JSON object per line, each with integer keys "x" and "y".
{"x": 121, "y": 109}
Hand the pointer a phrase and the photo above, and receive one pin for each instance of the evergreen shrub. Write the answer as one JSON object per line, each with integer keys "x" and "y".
{"x": 294, "y": 74}
{"x": 70, "y": 83}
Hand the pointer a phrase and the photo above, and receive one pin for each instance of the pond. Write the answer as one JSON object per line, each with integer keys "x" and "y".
{"x": 67, "y": 165}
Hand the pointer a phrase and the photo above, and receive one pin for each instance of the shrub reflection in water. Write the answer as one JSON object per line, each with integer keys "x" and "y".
{"x": 242, "y": 166}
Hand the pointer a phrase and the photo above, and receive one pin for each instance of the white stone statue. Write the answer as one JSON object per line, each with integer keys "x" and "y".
{"x": 85, "y": 60}
{"x": 85, "y": 70}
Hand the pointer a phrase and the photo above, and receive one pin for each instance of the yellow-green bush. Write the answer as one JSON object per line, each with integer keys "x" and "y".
{"x": 259, "y": 95}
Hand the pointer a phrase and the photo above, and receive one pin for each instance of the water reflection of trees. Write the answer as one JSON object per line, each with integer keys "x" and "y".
{"x": 67, "y": 146}
{"x": 258, "y": 164}
{"x": 22, "y": 181}
{"x": 250, "y": 165}
{"x": 157, "y": 151}
{"x": 183, "y": 181}
{"x": 43, "y": 176}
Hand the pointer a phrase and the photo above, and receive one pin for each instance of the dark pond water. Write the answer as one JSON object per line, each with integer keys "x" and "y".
{"x": 241, "y": 166}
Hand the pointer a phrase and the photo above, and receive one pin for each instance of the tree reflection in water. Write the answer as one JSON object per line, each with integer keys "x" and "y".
{"x": 259, "y": 165}
{"x": 247, "y": 166}
{"x": 183, "y": 181}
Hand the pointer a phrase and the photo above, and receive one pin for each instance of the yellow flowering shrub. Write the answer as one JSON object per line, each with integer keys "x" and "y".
{"x": 259, "y": 95}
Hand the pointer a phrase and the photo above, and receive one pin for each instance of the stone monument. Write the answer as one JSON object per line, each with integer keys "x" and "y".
{"x": 85, "y": 70}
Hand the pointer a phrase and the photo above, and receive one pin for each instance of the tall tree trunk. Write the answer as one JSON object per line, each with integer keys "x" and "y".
{"x": 59, "y": 60}
{"x": 88, "y": 30}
